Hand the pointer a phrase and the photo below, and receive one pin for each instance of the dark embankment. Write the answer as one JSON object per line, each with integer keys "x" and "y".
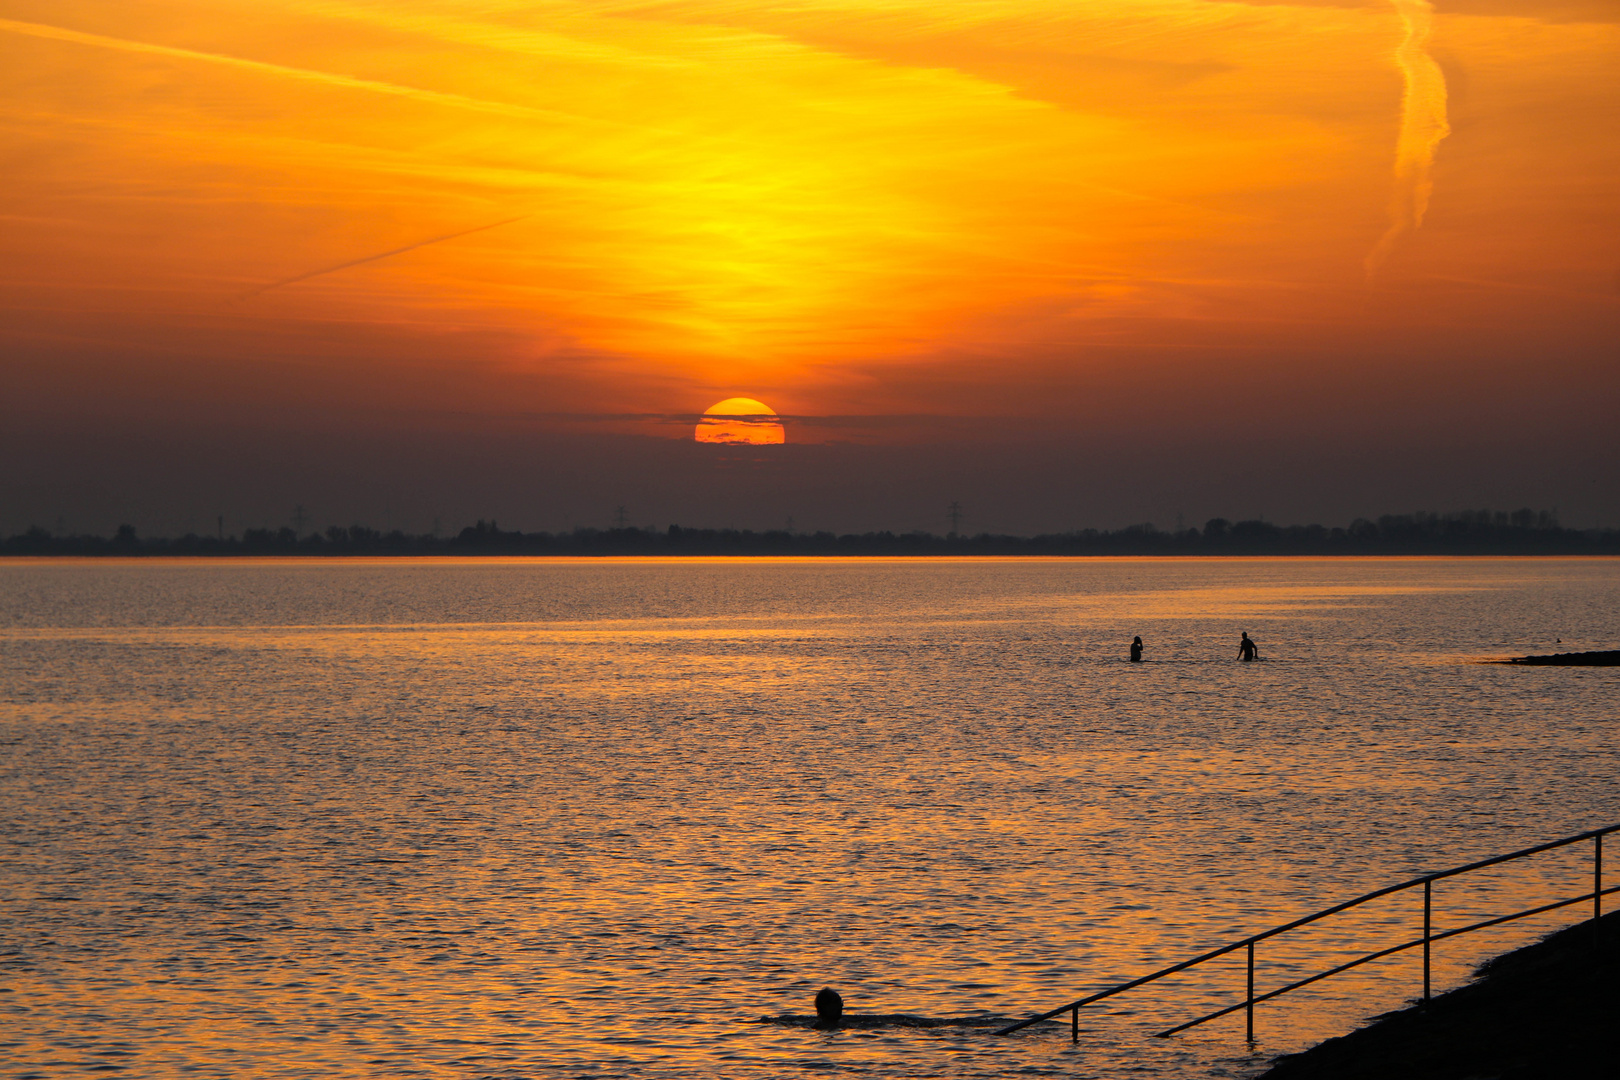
{"x": 1569, "y": 659}
{"x": 1550, "y": 1011}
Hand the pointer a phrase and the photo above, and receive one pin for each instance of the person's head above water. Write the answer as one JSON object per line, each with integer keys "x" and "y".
{"x": 1138, "y": 640}
{"x": 829, "y": 1008}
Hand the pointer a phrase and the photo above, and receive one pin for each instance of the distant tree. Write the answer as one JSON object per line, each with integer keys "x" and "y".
{"x": 1256, "y": 533}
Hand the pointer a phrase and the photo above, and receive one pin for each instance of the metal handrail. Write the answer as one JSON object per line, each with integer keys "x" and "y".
{"x": 1428, "y": 938}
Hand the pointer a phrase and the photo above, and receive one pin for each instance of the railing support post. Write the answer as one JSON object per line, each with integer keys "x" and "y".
{"x": 1250, "y": 1002}
{"x": 1597, "y": 897}
{"x": 1597, "y": 876}
{"x": 1074, "y": 1025}
{"x": 1427, "y": 926}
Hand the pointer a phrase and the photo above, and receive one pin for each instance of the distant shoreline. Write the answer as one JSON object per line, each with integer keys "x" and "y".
{"x": 1481, "y": 533}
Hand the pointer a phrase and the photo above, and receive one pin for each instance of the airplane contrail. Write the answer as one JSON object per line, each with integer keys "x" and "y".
{"x": 433, "y": 97}
{"x": 373, "y": 258}
{"x": 1423, "y": 125}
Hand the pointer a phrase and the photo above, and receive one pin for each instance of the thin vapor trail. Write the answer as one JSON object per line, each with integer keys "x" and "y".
{"x": 1423, "y": 125}
{"x": 432, "y": 97}
{"x": 373, "y": 258}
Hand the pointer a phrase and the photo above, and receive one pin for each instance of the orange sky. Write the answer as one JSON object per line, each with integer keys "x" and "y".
{"x": 1040, "y": 214}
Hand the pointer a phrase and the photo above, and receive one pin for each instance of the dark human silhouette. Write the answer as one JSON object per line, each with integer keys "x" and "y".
{"x": 1247, "y": 650}
{"x": 1136, "y": 651}
{"x": 829, "y": 1008}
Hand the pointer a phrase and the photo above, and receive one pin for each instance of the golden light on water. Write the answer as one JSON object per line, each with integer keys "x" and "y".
{"x": 740, "y": 421}
{"x": 771, "y": 775}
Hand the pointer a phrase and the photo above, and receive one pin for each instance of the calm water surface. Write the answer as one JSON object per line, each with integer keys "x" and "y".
{"x": 554, "y": 818}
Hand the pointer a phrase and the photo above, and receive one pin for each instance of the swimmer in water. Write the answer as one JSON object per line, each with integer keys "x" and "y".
{"x": 1248, "y": 650}
{"x": 829, "y": 1009}
{"x": 1136, "y": 651}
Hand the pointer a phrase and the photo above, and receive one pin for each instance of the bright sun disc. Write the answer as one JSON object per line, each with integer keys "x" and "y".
{"x": 741, "y": 420}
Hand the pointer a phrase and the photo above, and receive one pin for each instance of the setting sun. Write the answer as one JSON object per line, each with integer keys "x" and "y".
{"x": 741, "y": 420}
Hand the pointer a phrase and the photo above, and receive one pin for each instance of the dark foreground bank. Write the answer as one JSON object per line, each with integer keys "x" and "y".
{"x": 1549, "y": 1011}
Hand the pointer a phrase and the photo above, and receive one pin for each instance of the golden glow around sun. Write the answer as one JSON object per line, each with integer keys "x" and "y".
{"x": 892, "y": 207}
{"x": 743, "y": 421}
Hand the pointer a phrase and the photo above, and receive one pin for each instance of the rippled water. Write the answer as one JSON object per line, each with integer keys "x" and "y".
{"x": 535, "y": 818}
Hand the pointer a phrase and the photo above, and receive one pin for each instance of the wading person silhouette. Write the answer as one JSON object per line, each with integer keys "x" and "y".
{"x": 1136, "y": 651}
{"x": 829, "y": 1008}
{"x": 1247, "y": 650}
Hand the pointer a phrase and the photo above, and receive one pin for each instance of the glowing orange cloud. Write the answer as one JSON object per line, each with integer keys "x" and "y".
{"x": 816, "y": 200}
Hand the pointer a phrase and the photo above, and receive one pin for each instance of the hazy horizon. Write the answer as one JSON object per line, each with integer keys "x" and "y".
{"x": 1068, "y": 266}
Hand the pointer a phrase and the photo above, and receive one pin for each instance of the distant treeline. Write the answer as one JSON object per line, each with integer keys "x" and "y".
{"x": 1475, "y": 532}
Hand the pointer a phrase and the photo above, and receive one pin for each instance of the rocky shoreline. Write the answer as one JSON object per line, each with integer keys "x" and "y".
{"x": 1549, "y": 1011}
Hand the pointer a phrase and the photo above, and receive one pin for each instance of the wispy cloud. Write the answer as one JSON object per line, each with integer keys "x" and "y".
{"x": 1423, "y": 125}
{"x": 851, "y": 421}
{"x": 374, "y": 258}
{"x": 326, "y": 78}
{"x": 836, "y": 205}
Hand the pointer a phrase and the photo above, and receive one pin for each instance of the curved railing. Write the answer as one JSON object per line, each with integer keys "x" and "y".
{"x": 1425, "y": 942}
